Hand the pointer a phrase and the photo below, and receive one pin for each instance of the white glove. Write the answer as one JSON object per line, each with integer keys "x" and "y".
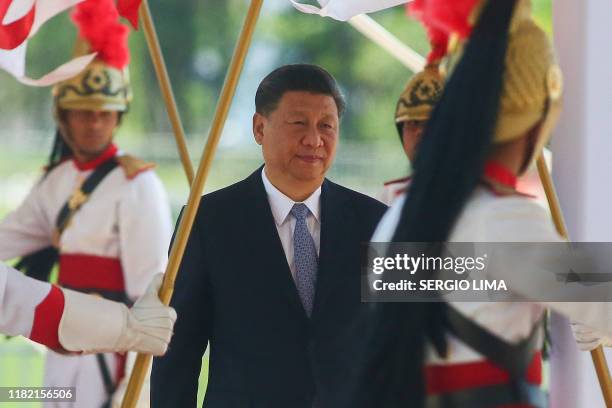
{"x": 588, "y": 339}
{"x": 150, "y": 322}
{"x": 93, "y": 324}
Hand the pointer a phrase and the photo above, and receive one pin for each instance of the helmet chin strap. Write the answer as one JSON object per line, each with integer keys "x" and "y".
{"x": 541, "y": 135}
{"x": 530, "y": 145}
{"x": 552, "y": 111}
{"x": 65, "y": 134}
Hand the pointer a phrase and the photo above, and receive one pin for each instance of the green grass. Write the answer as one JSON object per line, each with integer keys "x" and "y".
{"x": 22, "y": 365}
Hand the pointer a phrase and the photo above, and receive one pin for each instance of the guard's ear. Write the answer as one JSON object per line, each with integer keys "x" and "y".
{"x": 259, "y": 122}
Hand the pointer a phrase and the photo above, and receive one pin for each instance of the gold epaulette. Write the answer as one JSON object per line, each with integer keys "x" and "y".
{"x": 398, "y": 181}
{"x": 133, "y": 166}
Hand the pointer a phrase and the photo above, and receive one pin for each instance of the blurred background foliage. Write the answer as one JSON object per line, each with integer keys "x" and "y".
{"x": 198, "y": 37}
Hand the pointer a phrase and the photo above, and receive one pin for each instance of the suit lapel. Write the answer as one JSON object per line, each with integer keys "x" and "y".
{"x": 335, "y": 218}
{"x": 267, "y": 246}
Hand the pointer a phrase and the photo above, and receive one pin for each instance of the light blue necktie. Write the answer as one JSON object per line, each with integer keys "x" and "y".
{"x": 305, "y": 258}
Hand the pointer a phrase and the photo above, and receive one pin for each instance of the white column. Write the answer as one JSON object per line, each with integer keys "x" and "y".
{"x": 582, "y": 168}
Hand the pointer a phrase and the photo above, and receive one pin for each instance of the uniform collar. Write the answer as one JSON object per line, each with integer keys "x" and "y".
{"x": 281, "y": 205}
{"x": 499, "y": 174}
{"x": 500, "y": 180}
{"x": 108, "y": 153}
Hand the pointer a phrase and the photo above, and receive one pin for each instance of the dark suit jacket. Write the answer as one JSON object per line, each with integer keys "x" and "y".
{"x": 235, "y": 290}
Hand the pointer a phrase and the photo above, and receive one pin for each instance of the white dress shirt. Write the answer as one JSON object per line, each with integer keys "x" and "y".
{"x": 281, "y": 206}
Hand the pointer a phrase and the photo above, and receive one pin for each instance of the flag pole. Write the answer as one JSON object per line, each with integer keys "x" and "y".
{"x": 387, "y": 41}
{"x": 184, "y": 229}
{"x": 598, "y": 356}
{"x": 165, "y": 87}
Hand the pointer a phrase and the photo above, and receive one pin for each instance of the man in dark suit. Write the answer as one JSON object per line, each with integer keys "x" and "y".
{"x": 271, "y": 272}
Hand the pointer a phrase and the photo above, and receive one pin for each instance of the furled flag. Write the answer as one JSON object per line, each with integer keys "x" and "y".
{"x": 19, "y": 21}
{"x": 346, "y": 9}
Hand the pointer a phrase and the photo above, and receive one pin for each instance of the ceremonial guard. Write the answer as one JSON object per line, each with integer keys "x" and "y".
{"x": 66, "y": 320}
{"x": 413, "y": 110}
{"x": 101, "y": 214}
{"x": 499, "y": 107}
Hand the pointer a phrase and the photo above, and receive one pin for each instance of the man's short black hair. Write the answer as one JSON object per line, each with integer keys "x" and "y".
{"x": 296, "y": 77}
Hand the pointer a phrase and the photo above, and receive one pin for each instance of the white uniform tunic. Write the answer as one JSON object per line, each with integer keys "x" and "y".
{"x": 488, "y": 217}
{"x": 20, "y": 297}
{"x": 116, "y": 241}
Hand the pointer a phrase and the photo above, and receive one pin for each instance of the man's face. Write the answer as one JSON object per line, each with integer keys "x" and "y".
{"x": 90, "y": 132}
{"x": 412, "y": 130}
{"x": 299, "y": 137}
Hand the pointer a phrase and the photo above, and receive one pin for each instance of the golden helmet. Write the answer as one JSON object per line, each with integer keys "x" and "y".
{"x": 532, "y": 84}
{"x": 104, "y": 84}
{"x": 420, "y": 96}
{"x": 98, "y": 87}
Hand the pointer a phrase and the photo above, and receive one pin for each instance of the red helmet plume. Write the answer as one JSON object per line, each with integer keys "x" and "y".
{"x": 98, "y": 24}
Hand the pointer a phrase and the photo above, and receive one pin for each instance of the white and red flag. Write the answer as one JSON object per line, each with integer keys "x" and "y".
{"x": 346, "y": 9}
{"x": 19, "y": 21}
